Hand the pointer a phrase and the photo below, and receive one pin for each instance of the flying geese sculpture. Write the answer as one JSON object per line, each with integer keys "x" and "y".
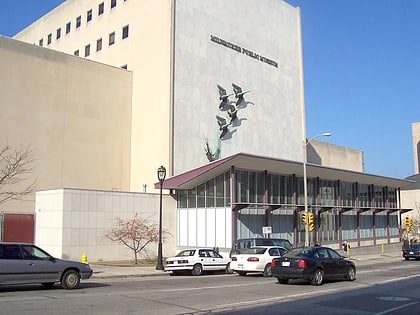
{"x": 223, "y": 97}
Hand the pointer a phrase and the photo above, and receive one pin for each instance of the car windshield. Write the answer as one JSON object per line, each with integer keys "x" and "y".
{"x": 254, "y": 251}
{"x": 282, "y": 243}
{"x": 414, "y": 247}
{"x": 185, "y": 253}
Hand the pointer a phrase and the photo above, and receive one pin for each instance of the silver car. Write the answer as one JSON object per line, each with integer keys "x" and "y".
{"x": 28, "y": 264}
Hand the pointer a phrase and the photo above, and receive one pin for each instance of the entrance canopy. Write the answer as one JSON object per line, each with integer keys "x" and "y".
{"x": 195, "y": 177}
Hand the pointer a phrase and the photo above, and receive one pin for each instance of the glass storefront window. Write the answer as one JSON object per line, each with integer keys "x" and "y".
{"x": 201, "y": 196}
{"x": 210, "y": 194}
{"x": 192, "y": 198}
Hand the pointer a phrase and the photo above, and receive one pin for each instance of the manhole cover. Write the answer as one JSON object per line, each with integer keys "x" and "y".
{"x": 393, "y": 298}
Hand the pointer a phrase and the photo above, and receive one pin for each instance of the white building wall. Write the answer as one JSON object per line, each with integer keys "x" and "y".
{"x": 70, "y": 222}
{"x": 270, "y": 121}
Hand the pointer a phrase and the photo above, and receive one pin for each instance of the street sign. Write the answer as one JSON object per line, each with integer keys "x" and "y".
{"x": 267, "y": 230}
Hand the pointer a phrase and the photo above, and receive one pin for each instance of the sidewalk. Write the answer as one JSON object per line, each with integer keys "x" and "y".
{"x": 106, "y": 272}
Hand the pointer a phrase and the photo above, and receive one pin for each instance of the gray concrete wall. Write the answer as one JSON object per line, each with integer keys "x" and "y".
{"x": 70, "y": 222}
{"x": 331, "y": 155}
{"x": 376, "y": 249}
{"x": 254, "y": 44}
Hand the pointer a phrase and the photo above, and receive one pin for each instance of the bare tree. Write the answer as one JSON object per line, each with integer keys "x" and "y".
{"x": 135, "y": 233}
{"x": 15, "y": 167}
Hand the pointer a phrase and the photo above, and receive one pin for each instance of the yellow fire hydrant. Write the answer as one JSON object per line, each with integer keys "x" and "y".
{"x": 84, "y": 258}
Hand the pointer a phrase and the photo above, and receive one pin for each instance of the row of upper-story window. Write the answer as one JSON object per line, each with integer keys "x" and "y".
{"x": 283, "y": 189}
{"x": 99, "y": 42}
{"x": 78, "y": 22}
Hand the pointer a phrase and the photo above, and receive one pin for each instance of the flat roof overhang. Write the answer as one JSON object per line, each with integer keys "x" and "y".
{"x": 200, "y": 175}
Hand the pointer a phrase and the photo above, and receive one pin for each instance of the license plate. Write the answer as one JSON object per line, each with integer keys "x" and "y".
{"x": 240, "y": 266}
{"x": 285, "y": 263}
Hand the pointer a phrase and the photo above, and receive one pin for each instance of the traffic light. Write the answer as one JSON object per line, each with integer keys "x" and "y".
{"x": 311, "y": 222}
{"x": 305, "y": 218}
{"x": 408, "y": 224}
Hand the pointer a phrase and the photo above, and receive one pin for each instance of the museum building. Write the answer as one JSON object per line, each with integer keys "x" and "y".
{"x": 116, "y": 88}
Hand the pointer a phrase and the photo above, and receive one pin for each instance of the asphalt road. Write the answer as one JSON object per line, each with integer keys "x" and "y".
{"x": 387, "y": 288}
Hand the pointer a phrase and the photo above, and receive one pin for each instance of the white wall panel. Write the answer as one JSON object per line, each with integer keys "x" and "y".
{"x": 182, "y": 227}
{"x": 211, "y": 228}
{"x": 192, "y": 227}
{"x": 201, "y": 227}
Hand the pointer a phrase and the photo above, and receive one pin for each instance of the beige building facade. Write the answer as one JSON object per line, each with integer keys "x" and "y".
{"x": 62, "y": 108}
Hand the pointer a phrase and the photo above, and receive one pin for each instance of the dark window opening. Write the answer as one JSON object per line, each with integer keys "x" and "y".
{"x": 89, "y": 15}
{"x": 125, "y": 32}
{"x": 87, "y": 50}
{"x": 101, "y": 8}
{"x": 111, "y": 38}
{"x": 99, "y": 44}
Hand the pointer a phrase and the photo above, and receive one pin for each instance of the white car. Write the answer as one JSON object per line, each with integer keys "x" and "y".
{"x": 256, "y": 259}
{"x": 197, "y": 261}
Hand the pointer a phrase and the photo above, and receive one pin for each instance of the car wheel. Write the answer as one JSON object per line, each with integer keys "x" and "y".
{"x": 351, "y": 274}
{"x": 267, "y": 271}
{"x": 228, "y": 269}
{"x": 70, "y": 280}
{"x": 317, "y": 277}
{"x": 48, "y": 285}
{"x": 283, "y": 280}
{"x": 197, "y": 270}
{"x": 241, "y": 273}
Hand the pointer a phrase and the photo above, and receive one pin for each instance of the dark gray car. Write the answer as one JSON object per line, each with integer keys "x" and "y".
{"x": 28, "y": 264}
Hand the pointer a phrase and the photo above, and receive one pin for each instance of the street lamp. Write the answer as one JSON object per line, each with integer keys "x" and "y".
{"x": 305, "y": 179}
{"x": 161, "y": 174}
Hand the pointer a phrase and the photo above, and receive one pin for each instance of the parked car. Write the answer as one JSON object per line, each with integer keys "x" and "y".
{"x": 412, "y": 251}
{"x": 256, "y": 259}
{"x": 314, "y": 264}
{"x": 197, "y": 261}
{"x": 22, "y": 263}
{"x": 244, "y": 243}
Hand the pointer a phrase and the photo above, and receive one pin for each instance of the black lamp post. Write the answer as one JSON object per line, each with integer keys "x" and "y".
{"x": 161, "y": 173}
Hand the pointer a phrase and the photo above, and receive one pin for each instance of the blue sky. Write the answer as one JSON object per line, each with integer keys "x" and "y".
{"x": 361, "y": 67}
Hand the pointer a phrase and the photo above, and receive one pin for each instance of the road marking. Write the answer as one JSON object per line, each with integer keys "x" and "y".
{"x": 212, "y": 287}
{"x": 396, "y": 308}
{"x": 277, "y": 298}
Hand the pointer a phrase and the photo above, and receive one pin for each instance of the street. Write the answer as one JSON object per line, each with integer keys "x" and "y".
{"x": 387, "y": 288}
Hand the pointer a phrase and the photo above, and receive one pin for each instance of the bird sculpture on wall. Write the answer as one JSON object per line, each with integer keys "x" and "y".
{"x": 223, "y": 126}
{"x": 239, "y": 94}
{"x": 212, "y": 156}
{"x": 233, "y": 112}
{"x": 223, "y": 97}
